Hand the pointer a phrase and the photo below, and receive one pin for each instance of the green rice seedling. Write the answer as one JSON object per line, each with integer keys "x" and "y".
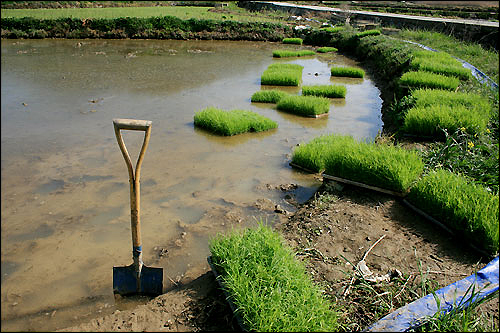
{"x": 232, "y": 122}
{"x": 389, "y": 167}
{"x": 297, "y": 41}
{"x": 466, "y": 208}
{"x": 422, "y": 79}
{"x": 347, "y": 71}
{"x": 474, "y": 102}
{"x": 309, "y": 106}
{"x": 269, "y": 287}
{"x": 282, "y": 75}
{"x": 372, "y": 32}
{"x": 311, "y": 156}
{"x": 440, "y": 63}
{"x": 326, "y": 49}
{"x": 292, "y": 53}
{"x": 431, "y": 120}
{"x": 268, "y": 96}
{"x": 331, "y": 91}
{"x": 332, "y": 29}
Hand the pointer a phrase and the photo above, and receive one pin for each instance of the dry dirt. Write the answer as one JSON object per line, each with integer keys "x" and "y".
{"x": 336, "y": 226}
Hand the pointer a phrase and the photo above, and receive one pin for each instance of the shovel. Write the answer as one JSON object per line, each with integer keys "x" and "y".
{"x": 136, "y": 278}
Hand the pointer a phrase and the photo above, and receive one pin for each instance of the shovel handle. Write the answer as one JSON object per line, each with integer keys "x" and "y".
{"x": 134, "y": 177}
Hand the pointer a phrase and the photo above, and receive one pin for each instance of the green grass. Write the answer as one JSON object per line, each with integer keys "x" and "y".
{"x": 232, "y": 122}
{"x": 347, "y": 72}
{"x": 388, "y": 167}
{"x": 268, "y": 285}
{"x": 464, "y": 207}
{"x": 440, "y": 63}
{"x": 292, "y": 53}
{"x": 331, "y": 91}
{"x": 297, "y": 41}
{"x": 326, "y": 49}
{"x": 304, "y": 105}
{"x": 372, "y": 32}
{"x": 268, "y": 96}
{"x": 282, "y": 75}
{"x": 422, "y": 79}
{"x": 182, "y": 12}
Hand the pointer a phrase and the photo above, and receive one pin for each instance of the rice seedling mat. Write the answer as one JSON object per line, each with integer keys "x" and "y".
{"x": 228, "y": 298}
{"x": 370, "y": 187}
{"x": 445, "y": 228}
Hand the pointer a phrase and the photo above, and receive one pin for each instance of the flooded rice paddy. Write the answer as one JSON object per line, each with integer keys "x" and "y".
{"x": 64, "y": 184}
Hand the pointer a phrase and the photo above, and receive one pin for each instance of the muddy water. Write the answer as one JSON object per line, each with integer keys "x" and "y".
{"x": 64, "y": 184}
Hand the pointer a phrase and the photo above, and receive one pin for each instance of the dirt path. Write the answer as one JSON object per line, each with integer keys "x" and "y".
{"x": 335, "y": 227}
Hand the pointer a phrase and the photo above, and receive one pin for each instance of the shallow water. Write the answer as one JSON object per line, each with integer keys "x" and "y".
{"x": 65, "y": 194}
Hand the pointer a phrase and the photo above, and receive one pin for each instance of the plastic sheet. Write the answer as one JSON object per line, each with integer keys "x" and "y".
{"x": 457, "y": 295}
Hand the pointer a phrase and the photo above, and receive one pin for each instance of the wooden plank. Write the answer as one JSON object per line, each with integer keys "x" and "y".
{"x": 374, "y": 188}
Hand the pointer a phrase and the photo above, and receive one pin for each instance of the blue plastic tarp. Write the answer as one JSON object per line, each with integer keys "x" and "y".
{"x": 457, "y": 295}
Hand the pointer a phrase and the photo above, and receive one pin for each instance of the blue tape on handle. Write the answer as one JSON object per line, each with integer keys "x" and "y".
{"x": 137, "y": 250}
{"x": 483, "y": 284}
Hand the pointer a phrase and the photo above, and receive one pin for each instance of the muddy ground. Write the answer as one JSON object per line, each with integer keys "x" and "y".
{"x": 336, "y": 227}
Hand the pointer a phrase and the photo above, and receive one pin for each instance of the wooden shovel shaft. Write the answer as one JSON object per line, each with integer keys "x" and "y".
{"x": 134, "y": 177}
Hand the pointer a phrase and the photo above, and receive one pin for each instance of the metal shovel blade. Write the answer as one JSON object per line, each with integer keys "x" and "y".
{"x": 125, "y": 280}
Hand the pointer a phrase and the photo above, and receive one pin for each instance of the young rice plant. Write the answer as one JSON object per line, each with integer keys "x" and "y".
{"x": 330, "y": 91}
{"x": 423, "y": 79}
{"x": 292, "y": 53}
{"x": 282, "y": 75}
{"x": 268, "y": 285}
{"x": 309, "y": 106}
{"x": 347, "y": 72}
{"x": 466, "y": 208}
{"x": 297, "y": 41}
{"x": 268, "y": 96}
{"x": 232, "y": 122}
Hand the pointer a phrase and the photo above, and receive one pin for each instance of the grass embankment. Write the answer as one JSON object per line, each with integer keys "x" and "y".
{"x": 232, "y": 122}
{"x": 181, "y": 12}
{"x": 268, "y": 285}
{"x": 282, "y": 75}
{"x": 308, "y": 106}
{"x": 161, "y": 22}
{"x": 347, "y": 72}
{"x": 388, "y": 167}
{"x": 468, "y": 209}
